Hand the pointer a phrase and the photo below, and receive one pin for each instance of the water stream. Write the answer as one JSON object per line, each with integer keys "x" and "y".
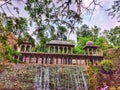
{"x": 60, "y": 78}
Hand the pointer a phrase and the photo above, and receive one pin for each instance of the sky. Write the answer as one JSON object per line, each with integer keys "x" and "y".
{"x": 99, "y": 18}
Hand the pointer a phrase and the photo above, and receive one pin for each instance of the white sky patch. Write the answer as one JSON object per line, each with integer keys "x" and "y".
{"x": 87, "y": 2}
{"x": 117, "y": 24}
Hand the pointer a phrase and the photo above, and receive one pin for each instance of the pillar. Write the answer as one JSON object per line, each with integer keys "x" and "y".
{"x": 49, "y": 47}
{"x": 30, "y": 48}
{"x": 53, "y": 49}
{"x": 84, "y": 52}
{"x": 71, "y": 50}
{"x": 37, "y": 59}
{"x": 88, "y": 51}
{"x": 92, "y": 51}
{"x": 67, "y": 49}
{"x": 96, "y": 52}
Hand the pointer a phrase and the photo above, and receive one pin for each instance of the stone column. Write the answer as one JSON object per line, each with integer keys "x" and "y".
{"x": 53, "y": 49}
{"x": 30, "y": 48}
{"x": 96, "y": 52}
{"x": 92, "y": 51}
{"x": 49, "y": 49}
{"x": 84, "y": 52}
{"x": 37, "y": 59}
{"x": 88, "y": 51}
{"x": 67, "y": 49}
{"x": 71, "y": 50}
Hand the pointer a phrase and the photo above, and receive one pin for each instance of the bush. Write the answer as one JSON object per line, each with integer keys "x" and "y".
{"x": 107, "y": 66}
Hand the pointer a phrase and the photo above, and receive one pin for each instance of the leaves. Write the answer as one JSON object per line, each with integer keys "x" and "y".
{"x": 107, "y": 65}
{"x": 114, "y": 11}
{"x": 113, "y": 36}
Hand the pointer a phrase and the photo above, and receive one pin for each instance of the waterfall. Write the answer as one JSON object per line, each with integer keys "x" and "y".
{"x": 85, "y": 84}
{"x": 60, "y": 78}
{"x": 46, "y": 79}
{"x": 38, "y": 79}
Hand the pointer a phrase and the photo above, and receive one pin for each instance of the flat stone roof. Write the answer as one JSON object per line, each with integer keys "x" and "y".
{"x": 58, "y": 42}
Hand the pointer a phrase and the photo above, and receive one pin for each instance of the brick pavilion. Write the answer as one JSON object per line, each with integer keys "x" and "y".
{"x": 60, "y": 52}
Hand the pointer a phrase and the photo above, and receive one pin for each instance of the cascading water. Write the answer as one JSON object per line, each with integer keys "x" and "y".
{"x": 60, "y": 78}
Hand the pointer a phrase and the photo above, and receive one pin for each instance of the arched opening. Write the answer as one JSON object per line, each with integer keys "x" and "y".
{"x": 56, "y": 49}
{"x": 69, "y": 50}
{"x": 28, "y": 48}
{"x": 65, "y": 50}
{"x": 22, "y": 48}
{"x": 51, "y": 50}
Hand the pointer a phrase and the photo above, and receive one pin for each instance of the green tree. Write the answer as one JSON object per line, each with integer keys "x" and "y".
{"x": 84, "y": 31}
{"x": 18, "y": 26}
{"x": 102, "y": 43}
{"x": 113, "y": 36}
{"x": 95, "y": 30}
{"x": 78, "y": 49}
{"x": 62, "y": 33}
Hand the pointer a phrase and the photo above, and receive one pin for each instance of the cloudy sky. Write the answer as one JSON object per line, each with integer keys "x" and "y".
{"x": 99, "y": 18}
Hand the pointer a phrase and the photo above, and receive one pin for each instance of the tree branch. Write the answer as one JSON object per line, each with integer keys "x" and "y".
{"x": 5, "y": 3}
{"x": 9, "y": 10}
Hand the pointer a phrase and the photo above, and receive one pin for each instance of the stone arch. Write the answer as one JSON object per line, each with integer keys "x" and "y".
{"x": 61, "y": 49}
{"x": 69, "y": 50}
{"x": 28, "y": 48}
{"x": 22, "y": 48}
{"x": 56, "y": 49}
{"x": 51, "y": 49}
{"x": 65, "y": 50}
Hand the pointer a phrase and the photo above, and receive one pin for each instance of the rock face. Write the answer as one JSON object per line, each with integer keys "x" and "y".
{"x": 12, "y": 41}
{"x": 116, "y": 75}
{"x": 114, "y": 55}
{"x": 32, "y": 77}
{"x": 17, "y": 78}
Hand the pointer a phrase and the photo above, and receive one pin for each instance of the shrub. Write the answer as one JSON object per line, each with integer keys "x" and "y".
{"x": 107, "y": 66}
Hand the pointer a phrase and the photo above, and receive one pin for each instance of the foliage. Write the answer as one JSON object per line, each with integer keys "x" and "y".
{"x": 84, "y": 31}
{"x": 62, "y": 33}
{"x": 85, "y": 34}
{"x": 95, "y": 77}
{"x": 114, "y": 11}
{"x": 9, "y": 53}
{"x": 107, "y": 66}
{"x": 102, "y": 43}
{"x": 113, "y": 36}
{"x": 92, "y": 80}
{"x": 26, "y": 37}
{"x": 18, "y": 26}
{"x": 94, "y": 69}
{"x": 81, "y": 43}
